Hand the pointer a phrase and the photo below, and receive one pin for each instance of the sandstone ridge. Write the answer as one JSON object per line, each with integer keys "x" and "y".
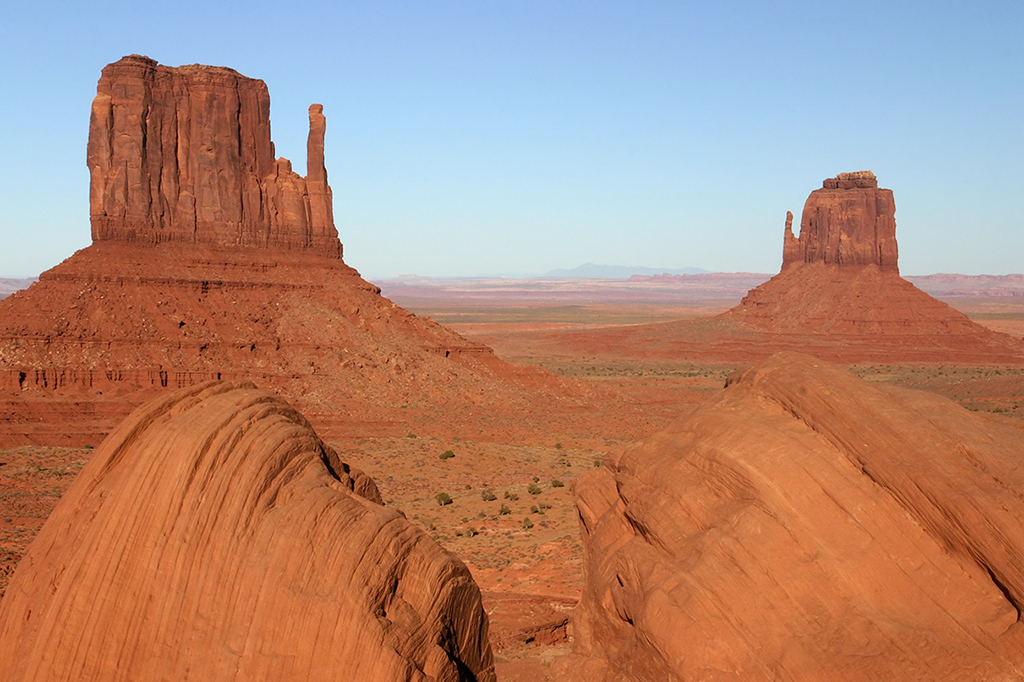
{"x": 185, "y": 154}
{"x": 213, "y": 536}
{"x": 806, "y": 525}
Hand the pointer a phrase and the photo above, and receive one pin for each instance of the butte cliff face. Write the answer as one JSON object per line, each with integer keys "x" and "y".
{"x": 211, "y": 259}
{"x": 213, "y": 536}
{"x": 184, "y": 154}
{"x": 849, "y": 221}
{"x": 807, "y": 525}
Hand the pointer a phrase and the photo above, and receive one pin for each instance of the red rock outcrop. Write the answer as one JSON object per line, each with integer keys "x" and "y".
{"x": 211, "y": 259}
{"x": 849, "y": 221}
{"x": 840, "y": 285}
{"x": 184, "y": 154}
{"x": 213, "y": 536}
{"x": 807, "y": 525}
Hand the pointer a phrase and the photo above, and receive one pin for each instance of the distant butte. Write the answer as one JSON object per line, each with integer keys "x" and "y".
{"x": 840, "y": 283}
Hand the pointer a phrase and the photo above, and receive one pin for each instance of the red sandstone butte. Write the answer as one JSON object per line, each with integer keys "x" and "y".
{"x": 184, "y": 154}
{"x": 840, "y": 286}
{"x": 807, "y": 525}
{"x": 213, "y": 536}
{"x": 212, "y": 260}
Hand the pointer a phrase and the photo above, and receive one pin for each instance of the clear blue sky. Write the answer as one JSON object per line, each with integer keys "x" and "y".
{"x": 487, "y": 137}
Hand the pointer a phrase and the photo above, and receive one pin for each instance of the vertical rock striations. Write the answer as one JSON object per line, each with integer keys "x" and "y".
{"x": 185, "y": 155}
{"x": 849, "y": 221}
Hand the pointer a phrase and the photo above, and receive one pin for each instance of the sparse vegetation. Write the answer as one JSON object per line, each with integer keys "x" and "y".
{"x": 534, "y": 489}
{"x": 509, "y": 495}
{"x": 447, "y": 454}
{"x": 443, "y": 499}
{"x": 558, "y": 446}
{"x": 504, "y": 510}
{"x": 527, "y": 523}
{"x": 487, "y": 495}
{"x": 555, "y": 483}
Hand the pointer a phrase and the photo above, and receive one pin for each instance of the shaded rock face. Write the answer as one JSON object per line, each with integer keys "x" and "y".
{"x": 849, "y": 221}
{"x": 805, "y": 525}
{"x": 213, "y": 536}
{"x": 184, "y": 154}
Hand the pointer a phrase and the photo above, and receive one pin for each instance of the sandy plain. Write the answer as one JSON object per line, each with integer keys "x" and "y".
{"x": 511, "y": 516}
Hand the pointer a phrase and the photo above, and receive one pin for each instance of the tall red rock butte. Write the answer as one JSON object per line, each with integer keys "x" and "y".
{"x": 211, "y": 259}
{"x": 184, "y": 154}
{"x": 804, "y": 524}
{"x": 213, "y": 536}
{"x": 840, "y": 295}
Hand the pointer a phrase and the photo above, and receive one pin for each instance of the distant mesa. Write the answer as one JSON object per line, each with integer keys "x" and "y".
{"x": 807, "y": 525}
{"x": 595, "y": 271}
{"x": 213, "y": 536}
{"x": 184, "y": 154}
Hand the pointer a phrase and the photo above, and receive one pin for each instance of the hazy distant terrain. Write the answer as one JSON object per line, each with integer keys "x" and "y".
{"x": 9, "y": 286}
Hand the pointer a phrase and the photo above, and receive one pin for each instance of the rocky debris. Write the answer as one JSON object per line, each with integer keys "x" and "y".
{"x": 807, "y": 525}
{"x": 849, "y": 221}
{"x": 184, "y": 154}
{"x": 213, "y": 536}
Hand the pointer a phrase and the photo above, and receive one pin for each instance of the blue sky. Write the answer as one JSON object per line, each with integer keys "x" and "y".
{"x": 516, "y": 137}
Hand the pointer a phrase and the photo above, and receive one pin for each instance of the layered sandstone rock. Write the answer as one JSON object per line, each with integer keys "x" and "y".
{"x": 184, "y": 154}
{"x": 806, "y": 525}
{"x": 213, "y": 536}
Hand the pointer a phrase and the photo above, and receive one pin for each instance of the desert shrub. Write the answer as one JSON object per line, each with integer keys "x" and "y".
{"x": 511, "y": 495}
{"x": 527, "y": 523}
{"x": 443, "y": 499}
{"x": 487, "y": 495}
{"x": 555, "y": 483}
{"x": 504, "y": 511}
{"x": 544, "y": 505}
{"x": 471, "y": 532}
{"x": 469, "y": 487}
{"x": 534, "y": 489}
{"x": 411, "y": 435}
{"x": 597, "y": 462}
{"x": 533, "y": 509}
{"x": 558, "y": 446}
{"x": 536, "y": 479}
{"x": 447, "y": 454}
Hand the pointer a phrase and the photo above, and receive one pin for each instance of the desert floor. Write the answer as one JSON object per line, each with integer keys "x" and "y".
{"x": 511, "y": 516}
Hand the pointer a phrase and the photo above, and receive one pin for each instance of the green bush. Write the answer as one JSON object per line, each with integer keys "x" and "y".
{"x": 443, "y": 499}
{"x": 533, "y": 509}
{"x": 487, "y": 495}
{"x": 511, "y": 496}
{"x": 534, "y": 489}
{"x": 558, "y": 446}
{"x": 555, "y": 483}
{"x": 447, "y": 454}
{"x": 527, "y": 523}
{"x": 504, "y": 511}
